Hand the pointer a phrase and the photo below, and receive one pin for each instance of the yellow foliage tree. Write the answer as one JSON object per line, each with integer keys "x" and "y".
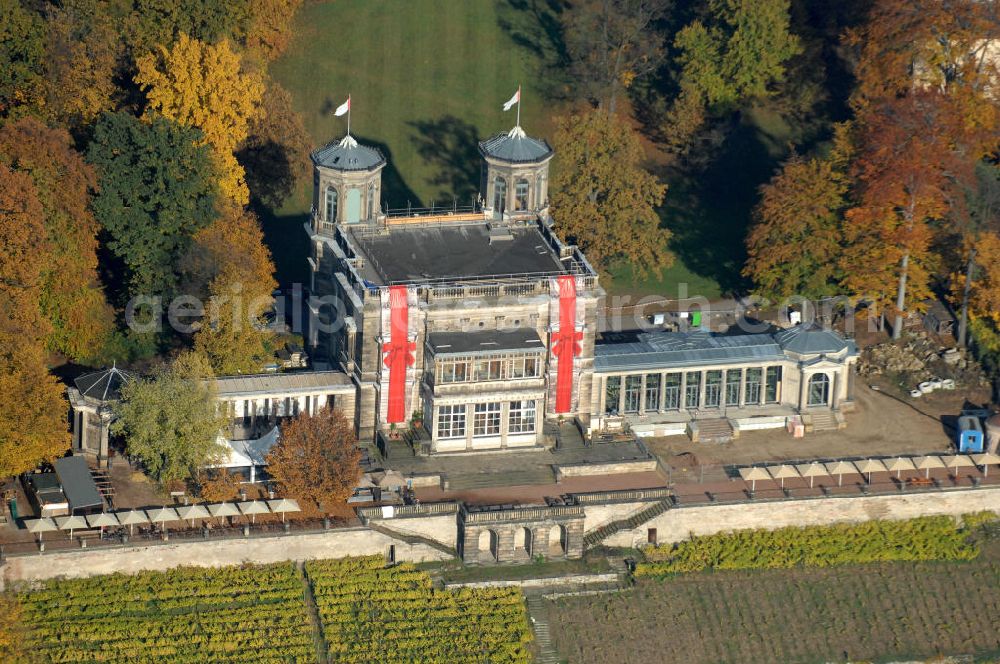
{"x": 233, "y": 335}
{"x": 203, "y": 85}
{"x": 984, "y": 293}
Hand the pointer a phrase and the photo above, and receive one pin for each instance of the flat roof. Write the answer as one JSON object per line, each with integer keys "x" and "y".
{"x": 684, "y": 349}
{"x": 298, "y": 381}
{"x": 454, "y": 251}
{"x": 484, "y": 341}
{"x": 78, "y": 484}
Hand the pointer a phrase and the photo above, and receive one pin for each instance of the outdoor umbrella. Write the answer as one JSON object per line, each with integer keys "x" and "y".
{"x": 131, "y": 518}
{"x": 899, "y": 464}
{"x": 283, "y": 505}
{"x": 869, "y": 466}
{"x": 70, "y": 523}
{"x": 102, "y": 520}
{"x": 956, "y": 461}
{"x": 220, "y": 510}
{"x": 925, "y": 463}
{"x": 39, "y": 526}
{"x": 253, "y": 508}
{"x": 366, "y": 482}
{"x": 753, "y": 474}
{"x": 840, "y": 468}
{"x": 783, "y": 472}
{"x": 192, "y": 512}
{"x": 812, "y": 471}
{"x": 162, "y": 515}
{"x": 984, "y": 460}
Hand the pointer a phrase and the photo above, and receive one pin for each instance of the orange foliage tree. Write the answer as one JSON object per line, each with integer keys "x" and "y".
{"x": 72, "y": 300}
{"x": 907, "y": 168}
{"x": 222, "y": 485}
{"x": 317, "y": 461}
{"x": 33, "y": 428}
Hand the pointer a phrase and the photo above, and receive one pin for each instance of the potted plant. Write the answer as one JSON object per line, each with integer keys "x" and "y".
{"x": 393, "y": 433}
{"x": 417, "y": 419}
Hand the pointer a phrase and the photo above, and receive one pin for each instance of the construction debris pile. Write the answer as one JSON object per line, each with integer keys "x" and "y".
{"x": 920, "y": 359}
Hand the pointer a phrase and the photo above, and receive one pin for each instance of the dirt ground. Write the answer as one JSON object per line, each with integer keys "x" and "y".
{"x": 881, "y": 424}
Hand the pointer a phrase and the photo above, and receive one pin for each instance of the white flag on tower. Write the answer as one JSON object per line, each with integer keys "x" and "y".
{"x": 345, "y": 107}
{"x": 516, "y": 99}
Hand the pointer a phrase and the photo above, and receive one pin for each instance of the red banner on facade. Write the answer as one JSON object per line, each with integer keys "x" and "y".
{"x": 398, "y": 353}
{"x": 566, "y": 344}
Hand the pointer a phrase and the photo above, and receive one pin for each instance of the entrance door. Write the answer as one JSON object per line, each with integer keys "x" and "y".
{"x": 651, "y": 536}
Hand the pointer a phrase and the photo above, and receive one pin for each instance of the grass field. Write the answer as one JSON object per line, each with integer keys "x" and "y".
{"x": 366, "y": 613}
{"x": 427, "y": 79}
{"x": 880, "y": 612}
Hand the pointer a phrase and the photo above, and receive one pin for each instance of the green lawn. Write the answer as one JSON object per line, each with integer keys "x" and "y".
{"x": 427, "y": 79}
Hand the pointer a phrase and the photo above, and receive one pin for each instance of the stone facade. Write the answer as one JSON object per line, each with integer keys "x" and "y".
{"x": 492, "y": 535}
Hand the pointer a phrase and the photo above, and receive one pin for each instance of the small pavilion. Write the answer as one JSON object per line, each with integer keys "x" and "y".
{"x": 90, "y": 401}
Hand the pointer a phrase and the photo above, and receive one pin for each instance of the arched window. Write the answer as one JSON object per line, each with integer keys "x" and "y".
{"x": 499, "y": 195}
{"x": 521, "y": 194}
{"x": 371, "y": 201}
{"x": 819, "y": 390}
{"x": 331, "y": 204}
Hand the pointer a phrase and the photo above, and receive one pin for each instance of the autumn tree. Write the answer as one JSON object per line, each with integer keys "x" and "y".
{"x": 233, "y": 243}
{"x": 84, "y": 51}
{"x": 794, "y": 245}
{"x": 204, "y": 86}
{"x": 734, "y": 51}
{"x": 941, "y": 45}
{"x": 610, "y": 44}
{"x": 269, "y": 28}
{"x": 154, "y": 23}
{"x": 22, "y": 59}
{"x": 220, "y": 485}
{"x": 906, "y": 170}
{"x": 33, "y": 428}
{"x": 157, "y": 189}
{"x": 171, "y": 420}
{"x": 603, "y": 198}
{"x": 233, "y": 335}
{"x": 276, "y": 152}
{"x": 71, "y": 298}
{"x": 317, "y": 461}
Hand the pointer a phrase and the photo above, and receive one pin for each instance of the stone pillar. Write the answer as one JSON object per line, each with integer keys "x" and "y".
{"x": 803, "y": 390}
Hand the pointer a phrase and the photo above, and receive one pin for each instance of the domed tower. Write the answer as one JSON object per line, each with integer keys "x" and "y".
{"x": 515, "y": 178}
{"x": 347, "y": 184}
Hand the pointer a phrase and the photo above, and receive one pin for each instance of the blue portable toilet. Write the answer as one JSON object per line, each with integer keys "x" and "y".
{"x": 970, "y": 434}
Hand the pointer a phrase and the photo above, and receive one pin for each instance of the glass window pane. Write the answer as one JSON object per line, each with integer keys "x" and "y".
{"x": 652, "y": 393}
{"x": 692, "y": 389}
{"x": 753, "y": 386}
{"x": 672, "y": 392}
{"x": 734, "y": 378}
{"x": 771, "y": 388}
{"x": 713, "y": 388}
{"x": 521, "y": 418}
{"x": 633, "y": 387}
{"x": 612, "y": 391}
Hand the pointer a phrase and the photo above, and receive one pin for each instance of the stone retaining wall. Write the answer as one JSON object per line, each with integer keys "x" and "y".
{"x": 338, "y": 543}
{"x": 680, "y": 523}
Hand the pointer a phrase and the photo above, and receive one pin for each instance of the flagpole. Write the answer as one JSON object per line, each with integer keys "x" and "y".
{"x": 348, "y": 115}
{"x": 519, "y": 105}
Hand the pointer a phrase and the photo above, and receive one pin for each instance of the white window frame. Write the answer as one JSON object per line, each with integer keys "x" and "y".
{"x": 522, "y": 416}
{"x": 486, "y": 419}
{"x": 451, "y": 421}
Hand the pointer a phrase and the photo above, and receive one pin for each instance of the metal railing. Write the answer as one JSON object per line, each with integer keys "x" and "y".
{"x": 403, "y": 511}
{"x": 623, "y": 495}
{"x": 500, "y": 514}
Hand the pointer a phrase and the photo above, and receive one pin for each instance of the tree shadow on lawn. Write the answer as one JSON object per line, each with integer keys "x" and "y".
{"x": 448, "y": 145}
{"x": 535, "y": 26}
{"x": 710, "y": 212}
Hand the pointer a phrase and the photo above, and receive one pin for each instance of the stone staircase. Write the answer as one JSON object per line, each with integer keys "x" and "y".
{"x": 718, "y": 430}
{"x": 412, "y": 539}
{"x": 824, "y": 420}
{"x": 539, "y": 624}
{"x": 595, "y": 537}
{"x": 532, "y": 476}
